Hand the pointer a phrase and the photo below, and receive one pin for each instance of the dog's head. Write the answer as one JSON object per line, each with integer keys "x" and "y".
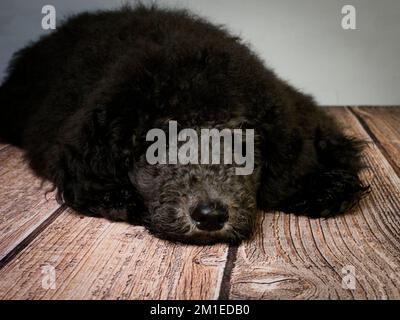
{"x": 200, "y": 88}
{"x": 199, "y": 203}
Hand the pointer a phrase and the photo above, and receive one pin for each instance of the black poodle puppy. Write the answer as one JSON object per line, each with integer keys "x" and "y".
{"x": 81, "y": 101}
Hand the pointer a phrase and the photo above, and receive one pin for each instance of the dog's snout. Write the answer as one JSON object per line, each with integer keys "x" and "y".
{"x": 210, "y": 215}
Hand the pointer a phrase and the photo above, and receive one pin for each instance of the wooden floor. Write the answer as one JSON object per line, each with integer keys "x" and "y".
{"x": 289, "y": 257}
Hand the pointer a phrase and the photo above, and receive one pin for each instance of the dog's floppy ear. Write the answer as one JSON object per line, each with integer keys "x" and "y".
{"x": 90, "y": 159}
{"x": 280, "y": 150}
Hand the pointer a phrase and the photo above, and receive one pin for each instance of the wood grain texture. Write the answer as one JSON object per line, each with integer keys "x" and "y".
{"x": 97, "y": 259}
{"x": 23, "y": 204}
{"x": 384, "y": 125}
{"x": 299, "y": 258}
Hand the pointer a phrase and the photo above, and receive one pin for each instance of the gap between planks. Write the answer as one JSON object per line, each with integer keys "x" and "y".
{"x": 31, "y": 236}
{"x": 24, "y": 204}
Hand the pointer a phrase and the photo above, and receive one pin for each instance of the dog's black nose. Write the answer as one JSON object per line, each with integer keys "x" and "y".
{"x": 210, "y": 216}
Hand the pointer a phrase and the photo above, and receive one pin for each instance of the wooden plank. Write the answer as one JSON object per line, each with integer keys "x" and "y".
{"x": 384, "y": 124}
{"x": 97, "y": 259}
{"x": 23, "y": 204}
{"x": 299, "y": 258}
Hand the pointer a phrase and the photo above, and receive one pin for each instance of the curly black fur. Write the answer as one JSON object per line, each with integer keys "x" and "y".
{"x": 81, "y": 100}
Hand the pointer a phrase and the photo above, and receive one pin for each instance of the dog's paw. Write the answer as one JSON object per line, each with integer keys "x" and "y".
{"x": 113, "y": 214}
{"x": 332, "y": 210}
{"x": 326, "y": 194}
{"x": 116, "y": 205}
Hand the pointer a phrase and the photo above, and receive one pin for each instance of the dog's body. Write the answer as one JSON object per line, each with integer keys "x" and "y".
{"x": 81, "y": 100}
